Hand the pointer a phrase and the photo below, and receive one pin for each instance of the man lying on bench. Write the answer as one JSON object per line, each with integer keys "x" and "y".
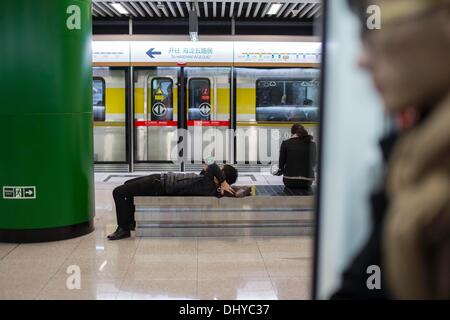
{"x": 212, "y": 181}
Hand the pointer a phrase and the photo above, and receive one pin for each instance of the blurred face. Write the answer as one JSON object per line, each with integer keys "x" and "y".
{"x": 409, "y": 57}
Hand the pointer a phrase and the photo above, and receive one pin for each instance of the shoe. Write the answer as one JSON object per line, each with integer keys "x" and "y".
{"x": 120, "y": 233}
{"x": 133, "y": 226}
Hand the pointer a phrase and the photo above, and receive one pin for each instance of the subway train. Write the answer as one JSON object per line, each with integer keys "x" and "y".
{"x": 237, "y": 113}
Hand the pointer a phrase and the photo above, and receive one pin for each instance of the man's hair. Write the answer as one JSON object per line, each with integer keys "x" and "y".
{"x": 231, "y": 174}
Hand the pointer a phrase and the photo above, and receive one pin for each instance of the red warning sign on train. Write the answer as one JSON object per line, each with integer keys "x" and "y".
{"x": 208, "y": 123}
{"x": 157, "y": 123}
{"x": 203, "y": 123}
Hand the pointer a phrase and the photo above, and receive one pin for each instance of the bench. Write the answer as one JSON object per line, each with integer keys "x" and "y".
{"x": 270, "y": 212}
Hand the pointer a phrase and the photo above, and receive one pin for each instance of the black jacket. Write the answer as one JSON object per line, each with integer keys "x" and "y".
{"x": 192, "y": 184}
{"x": 297, "y": 157}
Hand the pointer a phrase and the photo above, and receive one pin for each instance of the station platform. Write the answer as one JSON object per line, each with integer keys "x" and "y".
{"x": 128, "y": 86}
{"x": 232, "y": 267}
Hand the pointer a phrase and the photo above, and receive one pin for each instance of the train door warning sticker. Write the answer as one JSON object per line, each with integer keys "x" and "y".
{"x": 19, "y": 193}
{"x": 159, "y": 95}
{"x": 159, "y": 109}
{"x": 205, "y": 109}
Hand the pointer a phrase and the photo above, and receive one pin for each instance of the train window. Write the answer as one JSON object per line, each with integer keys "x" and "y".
{"x": 98, "y": 98}
{"x": 161, "y": 103}
{"x": 287, "y": 100}
{"x": 199, "y": 99}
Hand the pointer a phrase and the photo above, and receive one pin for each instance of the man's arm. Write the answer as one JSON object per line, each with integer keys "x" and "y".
{"x": 215, "y": 171}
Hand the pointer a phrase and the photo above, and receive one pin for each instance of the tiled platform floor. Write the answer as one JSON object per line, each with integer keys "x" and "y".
{"x": 156, "y": 268}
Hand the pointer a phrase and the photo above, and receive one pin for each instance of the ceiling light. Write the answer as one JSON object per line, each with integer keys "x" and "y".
{"x": 119, "y": 8}
{"x": 274, "y": 8}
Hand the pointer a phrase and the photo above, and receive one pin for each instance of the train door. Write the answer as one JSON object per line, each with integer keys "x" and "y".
{"x": 208, "y": 114}
{"x": 155, "y": 117}
{"x": 109, "y": 108}
{"x": 268, "y": 103}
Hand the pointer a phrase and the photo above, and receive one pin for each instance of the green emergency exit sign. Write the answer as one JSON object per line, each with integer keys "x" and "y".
{"x": 19, "y": 192}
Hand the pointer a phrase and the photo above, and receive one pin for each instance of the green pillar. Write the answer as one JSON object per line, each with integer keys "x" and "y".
{"x": 46, "y": 162}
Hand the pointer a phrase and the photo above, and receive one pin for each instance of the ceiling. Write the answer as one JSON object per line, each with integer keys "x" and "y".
{"x": 292, "y": 10}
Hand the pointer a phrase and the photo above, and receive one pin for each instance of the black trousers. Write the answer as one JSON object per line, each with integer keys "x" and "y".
{"x": 297, "y": 183}
{"x": 124, "y": 196}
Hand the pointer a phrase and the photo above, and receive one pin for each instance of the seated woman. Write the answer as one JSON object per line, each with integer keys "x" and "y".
{"x": 297, "y": 159}
{"x": 212, "y": 181}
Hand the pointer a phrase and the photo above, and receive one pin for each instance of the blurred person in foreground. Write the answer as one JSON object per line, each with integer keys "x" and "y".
{"x": 409, "y": 61}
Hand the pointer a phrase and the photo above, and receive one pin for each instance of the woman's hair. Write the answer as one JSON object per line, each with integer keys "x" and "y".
{"x": 301, "y": 132}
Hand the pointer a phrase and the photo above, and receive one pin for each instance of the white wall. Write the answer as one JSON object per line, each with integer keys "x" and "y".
{"x": 353, "y": 123}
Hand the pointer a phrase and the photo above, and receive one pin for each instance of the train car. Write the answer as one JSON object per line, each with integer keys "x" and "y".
{"x": 207, "y": 93}
{"x": 109, "y": 104}
{"x": 234, "y": 112}
{"x": 268, "y": 102}
{"x": 155, "y": 113}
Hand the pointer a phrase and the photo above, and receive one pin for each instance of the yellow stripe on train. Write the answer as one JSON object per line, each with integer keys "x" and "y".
{"x": 115, "y": 100}
{"x": 245, "y": 101}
